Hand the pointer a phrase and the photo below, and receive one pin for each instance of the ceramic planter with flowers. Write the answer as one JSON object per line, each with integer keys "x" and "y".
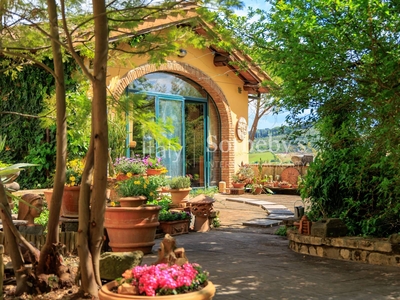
{"x": 126, "y": 167}
{"x": 70, "y": 200}
{"x": 132, "y": 225}
{"x": 72, "y": 188}
{"x": 139, "y": 186}
{"x": 154, "y": 166}
{"x": 161, "y": 281}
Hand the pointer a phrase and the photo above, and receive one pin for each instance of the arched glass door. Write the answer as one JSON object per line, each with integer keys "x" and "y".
{"x": 186, "y": 106}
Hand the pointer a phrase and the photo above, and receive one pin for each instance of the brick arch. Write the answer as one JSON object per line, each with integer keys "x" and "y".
{"x": 198, "y": 76}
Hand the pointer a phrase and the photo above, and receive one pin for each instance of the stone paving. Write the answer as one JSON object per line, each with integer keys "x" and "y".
{"x": 250, "y": 262}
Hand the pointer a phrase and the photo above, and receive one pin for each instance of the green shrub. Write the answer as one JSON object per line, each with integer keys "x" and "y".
{"x": 179, "y": 182}
{"x": 282, "y": 231}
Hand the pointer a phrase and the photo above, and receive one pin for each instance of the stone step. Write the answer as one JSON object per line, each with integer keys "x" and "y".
{"x": 262, "y": 223}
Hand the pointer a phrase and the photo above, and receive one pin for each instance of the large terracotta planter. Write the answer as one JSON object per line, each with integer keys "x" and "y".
{"x": 175, "y": 227}
{"x": 178, "y": 195}
{"x": 207, "y": 293}
{"x": 132, "y": 228}
{"x": 133, "y": 201}
{"x": 70, "y": 201}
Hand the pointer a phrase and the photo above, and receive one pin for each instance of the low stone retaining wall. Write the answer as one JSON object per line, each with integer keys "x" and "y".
{"x": 276, "y": 169}
{"x": 372, "y": 251}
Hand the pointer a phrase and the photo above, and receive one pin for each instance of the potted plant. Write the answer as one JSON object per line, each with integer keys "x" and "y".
{"x": 243, "y": 176}
{"x": 186, "y": 281}
{"x": 284, "y": 185}
{"x": 132, "y": 225}
{"x": 174, "y": 222}
{"x": 70, "y": 200}
{"x": 135, "y": 191}
{"x": 126, "y": 167}
{"x": 256, "y": 188}
{"x": 179, "y": 188}
{"x": 154, "y": 166}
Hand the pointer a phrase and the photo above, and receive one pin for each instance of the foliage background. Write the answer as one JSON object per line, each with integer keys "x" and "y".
{"x": 335, "y": 67}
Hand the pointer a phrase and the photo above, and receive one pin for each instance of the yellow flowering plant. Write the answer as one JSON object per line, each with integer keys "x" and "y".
{"x": 74, "y": 172}
{"x": 139, "y": 186}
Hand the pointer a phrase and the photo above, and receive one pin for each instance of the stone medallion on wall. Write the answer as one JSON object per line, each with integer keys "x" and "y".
{"x": 241, "y": 128}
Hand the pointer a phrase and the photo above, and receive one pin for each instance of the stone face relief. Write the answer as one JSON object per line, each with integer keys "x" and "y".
{"x": 241, "y": 128}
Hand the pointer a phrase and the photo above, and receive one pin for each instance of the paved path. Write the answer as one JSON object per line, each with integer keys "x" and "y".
{"x": 244, "y": 211}
{"x": 248, "y": 262}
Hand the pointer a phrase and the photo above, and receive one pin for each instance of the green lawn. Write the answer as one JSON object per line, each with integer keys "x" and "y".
{"x": 264, "y": 156}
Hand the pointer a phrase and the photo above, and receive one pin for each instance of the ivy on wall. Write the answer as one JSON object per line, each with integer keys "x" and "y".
{"x": 26, "y": 140}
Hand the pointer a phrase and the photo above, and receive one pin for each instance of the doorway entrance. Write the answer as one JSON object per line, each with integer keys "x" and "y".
{"x": 190, "y": 111}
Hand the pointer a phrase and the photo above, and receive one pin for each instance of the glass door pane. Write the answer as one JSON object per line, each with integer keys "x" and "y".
{"x": 171, "y": 110}
{"x": 194, "y": 143}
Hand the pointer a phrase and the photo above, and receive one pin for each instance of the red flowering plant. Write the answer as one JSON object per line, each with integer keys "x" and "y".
{"x": 164, "y": 279}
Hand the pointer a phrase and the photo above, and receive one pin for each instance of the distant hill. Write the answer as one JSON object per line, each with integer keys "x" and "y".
{"x": 283, "y": 140}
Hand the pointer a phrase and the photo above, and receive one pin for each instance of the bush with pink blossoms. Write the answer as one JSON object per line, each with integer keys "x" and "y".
{"x": 162, "y": 279}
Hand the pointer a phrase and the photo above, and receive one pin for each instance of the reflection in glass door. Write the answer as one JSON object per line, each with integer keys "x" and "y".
{"x": 171, "y": 110}
{"x": 195, "y": 142}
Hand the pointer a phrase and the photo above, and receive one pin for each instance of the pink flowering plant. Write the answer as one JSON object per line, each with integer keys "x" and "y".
{"x": 153, "y": 163}
{"x": 162, "y": 279}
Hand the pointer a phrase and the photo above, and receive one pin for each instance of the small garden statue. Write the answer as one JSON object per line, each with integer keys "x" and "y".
{"x": 29, "y": 213}
{"x": 169, "y": 254}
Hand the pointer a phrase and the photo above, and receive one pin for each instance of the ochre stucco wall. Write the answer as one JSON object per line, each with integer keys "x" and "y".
{"x": 232, "y": 104}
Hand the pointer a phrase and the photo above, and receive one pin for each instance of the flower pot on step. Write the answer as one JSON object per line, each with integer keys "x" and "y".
{"x": 238, "y": 185}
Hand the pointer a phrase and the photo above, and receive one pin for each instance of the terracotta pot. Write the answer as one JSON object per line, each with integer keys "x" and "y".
{"x": 258, "y": 190}
{"x": 133, "y": 201}
{"x": 132, "y": 228}
{"x": 238, "y": 185}
{"x": 178, "y": 195}
{"x": 70, "y": 201}
{"x": 207, "y": 293}
{"x": 175, "y": 227}
{"x": 284, "y": 185}
{"x": 121, "y": 177}
{"x": 151, "y": 172}
{"x": 47, "y": 196}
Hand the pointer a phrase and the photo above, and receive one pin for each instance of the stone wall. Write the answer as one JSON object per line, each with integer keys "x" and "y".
{"x": 373, "y": 251}
{"x": 274, "y": 169}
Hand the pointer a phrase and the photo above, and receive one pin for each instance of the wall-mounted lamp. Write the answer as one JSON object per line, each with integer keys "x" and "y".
{"x": 182, "y": 53}
{"x": 132, "y": 144}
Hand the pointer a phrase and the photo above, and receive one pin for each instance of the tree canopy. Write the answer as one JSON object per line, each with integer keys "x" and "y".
{"x": 335, "y": 65}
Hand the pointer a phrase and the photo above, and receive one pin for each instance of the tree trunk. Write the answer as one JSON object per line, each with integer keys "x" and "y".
{"x": 11, "y": 245}
{"x": 262, "y": 106}
{"x": 48, "y": 255}
{"x": 92, "y": 234}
